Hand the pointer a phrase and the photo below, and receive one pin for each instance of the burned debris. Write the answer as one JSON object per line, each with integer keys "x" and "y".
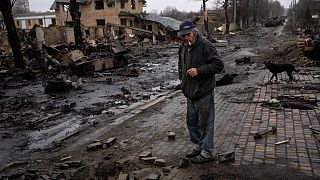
{"x": 260, "y": 134}
{"x": 94, "y": 101}
{"x": 225, "y": 79}
{"x": 244, "y": 60}
{"x": 68, "y": 86}
{"x": 299, "y": 101}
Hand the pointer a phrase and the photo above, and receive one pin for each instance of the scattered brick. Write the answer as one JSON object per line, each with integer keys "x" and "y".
{"x": 149, "y": 160}
{"x": 183, "y": 163}
{"x": 109, "y": 142}
{"x": 160, "y": 162}
{"x": 145, "y": 154}
{"x": 225, "y": 157}
{"x": 62, "y": 165}
{"x": 171, "y": 135}
{"x": 167, "y": 169}
{"x": 123, "y": 176}
{"x": 108, "y": 156}
{"x": 153, "y": 177}
{"x": 76, "y": 163}
{"x": 94, "y": 146}
{"x": 65, "y": 158}
{"x": 121, "y": 162}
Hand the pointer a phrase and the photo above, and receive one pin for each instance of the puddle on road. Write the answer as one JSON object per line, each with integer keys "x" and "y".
{"x": 174, "y": 83}
{"x": 245, "y": 52}
{"x": 44, "y": 138}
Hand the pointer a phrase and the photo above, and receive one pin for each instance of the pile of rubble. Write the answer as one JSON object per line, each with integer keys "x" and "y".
{"x": 276, "y": 21}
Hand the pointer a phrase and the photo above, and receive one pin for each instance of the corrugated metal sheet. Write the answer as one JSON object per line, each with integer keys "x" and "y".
{"x": 168, "y": 22}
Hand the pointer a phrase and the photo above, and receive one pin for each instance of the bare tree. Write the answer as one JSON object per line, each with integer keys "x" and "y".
{"x": 225, "y": 4}
{"x": 171, "y": 11}
{"x": 246, "y": 12}
{"x": 6, "y": 10}
{"x": 307, "y": 17}
{"x": 303, "y": 10}
{"x": 254, "y": 11}
{"x": 276, "y": 9}
{"x": 226, "y": 15}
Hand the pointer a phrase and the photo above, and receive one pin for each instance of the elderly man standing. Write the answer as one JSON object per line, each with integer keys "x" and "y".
{"x": 199, "y": 61}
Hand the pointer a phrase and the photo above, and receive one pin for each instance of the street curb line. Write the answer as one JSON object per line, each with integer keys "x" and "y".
{"x": 99, "y": 132}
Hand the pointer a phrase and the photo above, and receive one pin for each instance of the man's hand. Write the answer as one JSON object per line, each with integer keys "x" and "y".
{"x": 192, "y": 72}
{"x": 305, "y": 44}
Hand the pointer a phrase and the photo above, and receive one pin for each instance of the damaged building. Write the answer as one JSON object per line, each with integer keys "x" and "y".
{"x": 100, "y": 18}
{"x": 160, "y": 25}
{"x": 28, "y": 20}
{"x": 100, "y": 12}
{"x": 97, "y": 14}
{"x": 108, "y": 26}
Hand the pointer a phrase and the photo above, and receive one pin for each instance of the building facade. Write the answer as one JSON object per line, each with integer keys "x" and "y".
{"x": 27, "y": 21}
{"x": 20, "y": 7}
{"x": 100, "y": 12}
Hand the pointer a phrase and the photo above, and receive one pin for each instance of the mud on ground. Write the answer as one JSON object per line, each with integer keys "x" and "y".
{"x": 40, "y": 131}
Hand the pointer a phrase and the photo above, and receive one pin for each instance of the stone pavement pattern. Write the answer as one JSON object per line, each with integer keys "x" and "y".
{"x": 239, "y": 114}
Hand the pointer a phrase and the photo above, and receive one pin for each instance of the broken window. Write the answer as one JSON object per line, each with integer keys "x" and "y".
{"x": 68, "y": 23}
{"x": 65, "y": 8}
{"x": 53, "y": 21}
{"x": 144, "y": 27}
{"x": 40, "y": 21}
{"x": 101, "y": 22}
{"x": 150, "y": 27}
{"x": 18, "y": 23}
{"x": 133, "y": 4}
{"x": 131, "y": 24}
{"x": 123, "y": 4}
{"x": 144, "y": 3}
{"x": 123, "y": 22}
{"x": 99, "y": 4}
{"x": 87, "y": 31}
{"x": 29, "y": 23}
{"x": 111, "y": 3}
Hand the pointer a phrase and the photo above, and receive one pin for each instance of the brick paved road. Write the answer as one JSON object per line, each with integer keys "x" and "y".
{"x": 239, "y": 114}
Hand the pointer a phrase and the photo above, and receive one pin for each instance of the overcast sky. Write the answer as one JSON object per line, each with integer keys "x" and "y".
{"x": 152, "y": 5}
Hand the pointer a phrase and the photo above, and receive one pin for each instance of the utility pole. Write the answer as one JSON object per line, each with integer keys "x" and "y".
{"x": 205, "y": 18}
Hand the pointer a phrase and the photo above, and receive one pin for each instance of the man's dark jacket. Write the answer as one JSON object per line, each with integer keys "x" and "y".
{"x": 203, "y": 56}
{"x": 315, "y": 54}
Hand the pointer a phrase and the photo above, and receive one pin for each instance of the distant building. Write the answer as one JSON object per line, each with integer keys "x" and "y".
{"x": 100, "y": 12}
{"x": 27, "y": 21}
{"x": 20, "y": 7}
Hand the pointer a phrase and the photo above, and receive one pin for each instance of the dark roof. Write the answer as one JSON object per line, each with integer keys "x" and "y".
{"x": 124, "y": 13}
{"x": 35, "y": 14}
{"x": 168, "y": 22}
{"x": 54, "y": 5}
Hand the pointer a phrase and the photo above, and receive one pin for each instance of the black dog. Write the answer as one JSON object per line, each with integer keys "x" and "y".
{"x": 279, "y": 68}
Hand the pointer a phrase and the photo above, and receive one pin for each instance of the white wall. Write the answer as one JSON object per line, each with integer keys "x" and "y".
{"x": 23, "y": 24}
{"x": 45, "y": 19}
